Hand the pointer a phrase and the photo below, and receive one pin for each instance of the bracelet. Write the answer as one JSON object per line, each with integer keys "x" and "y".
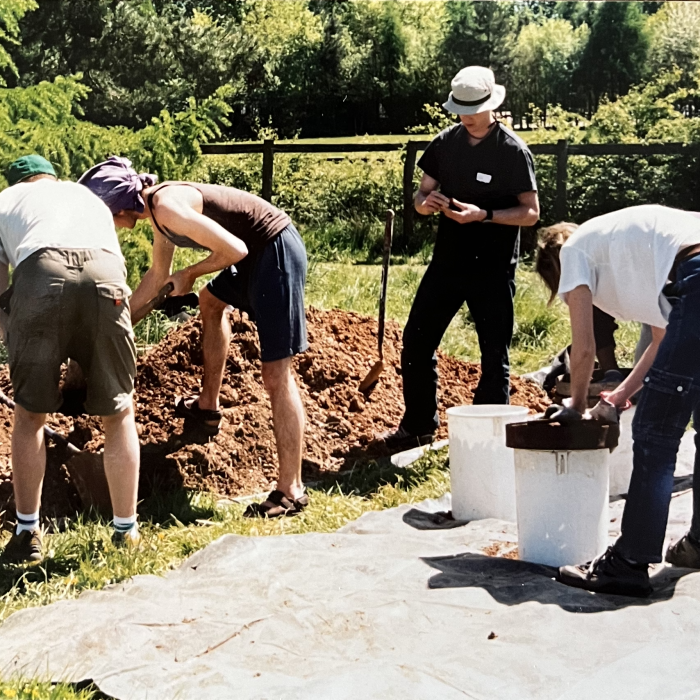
{"x": 489, "y": 215}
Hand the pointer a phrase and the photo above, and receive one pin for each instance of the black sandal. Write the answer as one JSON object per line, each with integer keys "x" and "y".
{"x": 276, "y": 505}
{"x": 197, "y": 418}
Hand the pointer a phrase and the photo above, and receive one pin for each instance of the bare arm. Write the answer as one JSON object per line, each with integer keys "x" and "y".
{"x": 526, "y": 213}
{"x": 180, "y": 210}
{"x": 635, "y": 380}
{"x": 155, "y": 277}
{"x": 4, "y": 284}
{"x": 580, "y": 301}
{"x": 427, "y": 199}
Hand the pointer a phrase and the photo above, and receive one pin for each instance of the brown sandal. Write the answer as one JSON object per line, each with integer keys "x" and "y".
{"x": 276, "y": 505}
{"x": 196, "y": 417}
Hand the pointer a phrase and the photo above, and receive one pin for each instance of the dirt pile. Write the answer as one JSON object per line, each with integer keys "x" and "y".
{"x": 242, "y": 458}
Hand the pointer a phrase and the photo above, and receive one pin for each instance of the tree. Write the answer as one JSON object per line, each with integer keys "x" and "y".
{"x": 615, "y": 55}
{"x": 577, "y": 13}
{"x": 11, "y": 12}
{"x": 135, "y": 60}
{"x": 674, "y": 34}
{"x": 216, "y": 9}
{"x": 479, "y": 33}
{"x": 545, "y": 58}
{"x": 46, "y": 119}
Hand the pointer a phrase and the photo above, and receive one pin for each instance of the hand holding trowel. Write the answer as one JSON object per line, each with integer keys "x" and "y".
{"x": 153, "y": 304}
{"x": 370, "y": 380}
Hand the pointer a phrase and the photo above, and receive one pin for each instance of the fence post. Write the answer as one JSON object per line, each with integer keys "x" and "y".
{"x": 561, "y": 209}
{"x": 409, "y": 167}
{"x": 268, "y": 168}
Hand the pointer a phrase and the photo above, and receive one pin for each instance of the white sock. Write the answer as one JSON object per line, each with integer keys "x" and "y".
{"x": 125, "y": 524}
{"x": 27, "y": 521}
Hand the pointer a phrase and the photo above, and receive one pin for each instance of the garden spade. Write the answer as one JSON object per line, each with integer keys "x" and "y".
{"x": 85, "y": 469}
{"x": 368, "y": 383}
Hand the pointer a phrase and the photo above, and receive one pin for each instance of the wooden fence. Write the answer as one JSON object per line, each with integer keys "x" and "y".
{"x": 562, "y": 150}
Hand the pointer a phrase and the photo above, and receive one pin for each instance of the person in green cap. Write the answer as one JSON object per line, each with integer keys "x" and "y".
{"x": 69, "y": 298}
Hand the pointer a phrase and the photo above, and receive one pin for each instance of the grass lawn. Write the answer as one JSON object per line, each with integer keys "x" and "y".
{"x": 367, "y": 138}
{"x": 540, "y": 331}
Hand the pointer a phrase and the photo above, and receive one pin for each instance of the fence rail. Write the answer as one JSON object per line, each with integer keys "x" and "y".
{"x": 562, "y": 150}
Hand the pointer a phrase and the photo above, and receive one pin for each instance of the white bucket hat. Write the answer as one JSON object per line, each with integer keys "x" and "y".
{"x": 474, "y": 90}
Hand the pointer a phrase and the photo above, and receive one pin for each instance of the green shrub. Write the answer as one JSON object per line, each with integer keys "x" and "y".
{"x": 338, "y": 203}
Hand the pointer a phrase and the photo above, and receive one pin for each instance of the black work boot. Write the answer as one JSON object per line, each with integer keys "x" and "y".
{"x": 400, "y": 439}
{"x": 23, "y": 547}
{"x": 609, "y": 573}
{"x": 685, "y": 552}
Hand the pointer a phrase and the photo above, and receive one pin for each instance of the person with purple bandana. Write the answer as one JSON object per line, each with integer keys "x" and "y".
{"x": 261, "y": 261}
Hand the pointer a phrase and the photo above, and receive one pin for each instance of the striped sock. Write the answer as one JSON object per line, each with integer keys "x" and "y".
{"x": 125, "y": 525}
{"x": 27, "y": 521}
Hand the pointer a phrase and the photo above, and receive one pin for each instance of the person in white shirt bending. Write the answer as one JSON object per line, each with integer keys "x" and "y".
{"x": 637, "y": 264}
{"x": 69, "y": 298}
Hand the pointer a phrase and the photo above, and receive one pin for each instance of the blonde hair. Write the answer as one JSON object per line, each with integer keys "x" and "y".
{"x": 547, "y": 264}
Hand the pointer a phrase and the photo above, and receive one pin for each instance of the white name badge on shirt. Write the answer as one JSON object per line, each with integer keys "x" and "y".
{"x": 483, "y": 177}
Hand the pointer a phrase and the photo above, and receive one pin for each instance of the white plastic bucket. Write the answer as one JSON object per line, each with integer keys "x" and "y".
{"x": 562, "y": 502}
{"x": 481, "y": 466}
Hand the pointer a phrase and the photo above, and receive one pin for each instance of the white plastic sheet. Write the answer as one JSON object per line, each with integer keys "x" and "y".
{"x": 395, "y": 605}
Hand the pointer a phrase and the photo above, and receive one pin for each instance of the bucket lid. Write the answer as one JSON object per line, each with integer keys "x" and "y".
{"x": 487, "y": 411}
{"x": 548, "y": 435}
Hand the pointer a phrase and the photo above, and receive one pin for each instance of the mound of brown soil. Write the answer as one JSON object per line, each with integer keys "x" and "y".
{"x": 242, "y": 459}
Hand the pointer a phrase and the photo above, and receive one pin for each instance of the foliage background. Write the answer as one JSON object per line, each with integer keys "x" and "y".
{"x": 153, "y": 79}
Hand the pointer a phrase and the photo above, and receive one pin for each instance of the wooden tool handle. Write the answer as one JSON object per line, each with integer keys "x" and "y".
{"x": 56, "y": 437}
{"x": 386, "y": 257}
{"x": 153, "y": 303}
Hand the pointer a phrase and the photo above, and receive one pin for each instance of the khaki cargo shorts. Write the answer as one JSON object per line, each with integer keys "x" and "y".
{"x": 71, "y": 303}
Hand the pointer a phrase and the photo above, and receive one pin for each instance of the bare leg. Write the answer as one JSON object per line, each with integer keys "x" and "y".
{"x": 28, "y": 459}
{"x": 288, "y": 423}
{"x": 216, "y": 332}
{"x": 122, "y": 461}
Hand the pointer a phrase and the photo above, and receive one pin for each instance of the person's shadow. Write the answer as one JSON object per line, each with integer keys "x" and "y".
{"x": 512, "y": 582}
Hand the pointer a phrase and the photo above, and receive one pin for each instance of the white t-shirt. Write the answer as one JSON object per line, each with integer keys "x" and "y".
{"x": 53, "y": 214}
{"x": 625, "y": 258}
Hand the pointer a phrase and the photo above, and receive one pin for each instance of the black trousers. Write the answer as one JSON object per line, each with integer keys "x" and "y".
{"x": 488, "y": 291}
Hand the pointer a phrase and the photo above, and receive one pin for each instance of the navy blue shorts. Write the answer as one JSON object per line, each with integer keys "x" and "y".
{"x": 270, "y": 289}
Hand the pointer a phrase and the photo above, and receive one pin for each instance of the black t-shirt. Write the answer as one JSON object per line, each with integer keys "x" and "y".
{"x": 491, "y": 175}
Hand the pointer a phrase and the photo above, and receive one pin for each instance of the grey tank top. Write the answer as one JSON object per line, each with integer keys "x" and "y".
{"x": 248, "y": 217}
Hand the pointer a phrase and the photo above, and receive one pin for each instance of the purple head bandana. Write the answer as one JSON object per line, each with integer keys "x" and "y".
{"x": 117, "y": 184}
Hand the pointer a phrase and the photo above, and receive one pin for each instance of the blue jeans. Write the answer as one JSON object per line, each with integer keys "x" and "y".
{"x": 671, "y": 395}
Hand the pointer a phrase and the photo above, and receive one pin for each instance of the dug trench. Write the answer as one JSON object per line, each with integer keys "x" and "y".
{"x": 341, "y": 421}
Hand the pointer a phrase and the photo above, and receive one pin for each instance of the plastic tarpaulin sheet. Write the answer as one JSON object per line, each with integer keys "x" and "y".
{"x": 395, "y": 605}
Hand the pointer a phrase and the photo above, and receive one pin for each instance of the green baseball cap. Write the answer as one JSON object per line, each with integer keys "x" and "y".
{"x": 28, "y": 166}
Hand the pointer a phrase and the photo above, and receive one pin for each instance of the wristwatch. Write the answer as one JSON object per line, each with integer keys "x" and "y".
{"x": 489, "y": 215}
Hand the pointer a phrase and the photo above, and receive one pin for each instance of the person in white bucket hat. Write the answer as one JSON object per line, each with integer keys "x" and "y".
{"x": 480, "y": 178}
{"x": 474, "y": 91}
